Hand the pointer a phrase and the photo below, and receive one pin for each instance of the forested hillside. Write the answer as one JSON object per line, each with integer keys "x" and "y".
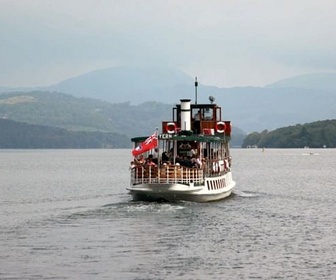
{"x": 314, "y": 135}
{"x": 83, "y": 114}
{"x": 25, "y": 136}
{"x": 300, "y": 99}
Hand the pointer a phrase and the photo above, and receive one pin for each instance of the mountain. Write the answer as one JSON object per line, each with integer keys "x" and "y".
{"x": 126, "y": 84}
{"x": 82, "y": 114}
{"x": 316, "y": 81}
{"x": 64, "y": 111}
{"x": 256, "y": 109}
{"x": 287, "y": 102}
{"x": 301, "y": 99}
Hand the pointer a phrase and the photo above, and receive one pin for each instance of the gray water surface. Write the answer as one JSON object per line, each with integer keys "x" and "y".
{"x": 65, "y": 214}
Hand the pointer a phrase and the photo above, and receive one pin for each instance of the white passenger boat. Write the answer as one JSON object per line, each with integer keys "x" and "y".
{"x": 189, "y": 159}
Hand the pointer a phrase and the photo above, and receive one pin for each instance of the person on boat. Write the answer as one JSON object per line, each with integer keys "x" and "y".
{"x": 204, "y": 162}
{"x": 155, "y": 158}
{"x": 197, "y": 123}
{"x": 149, "y": 161}
{"x": 186, "y": 162}
{"x": 192, "y": 152}
{"x": 196, "y": 162}
{"x": 132, "y": 165}
{"x": 140, "y": 160}
{"x": 178, "y": 159}
{"x": 164, "y": 157}
{"x": 171, "y": 155}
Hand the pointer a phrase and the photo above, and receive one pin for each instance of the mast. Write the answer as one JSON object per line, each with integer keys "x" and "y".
{"x": 196, "y": 85}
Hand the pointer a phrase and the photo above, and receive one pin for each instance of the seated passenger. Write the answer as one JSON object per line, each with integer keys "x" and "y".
{"x": 132, "y": 165}
{"x": 196, "y": 162}
{"x": 192, "y": 152}
{"x": 155, "y": 156}
{"x": 164, "y": 157}
{"x": 186, "y": 162}
{"x": 149, "y": 161}
{"x": 140, "y": 160}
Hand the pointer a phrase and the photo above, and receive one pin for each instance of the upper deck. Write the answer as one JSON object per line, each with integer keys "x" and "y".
{"x": 203, "y": 119}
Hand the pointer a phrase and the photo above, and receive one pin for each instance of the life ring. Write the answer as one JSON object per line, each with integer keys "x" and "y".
{"x": 171, "y": 128}
{"x": 220, "y": 127}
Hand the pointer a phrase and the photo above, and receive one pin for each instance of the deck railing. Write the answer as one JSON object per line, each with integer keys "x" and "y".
{"x": 169, "y": 174}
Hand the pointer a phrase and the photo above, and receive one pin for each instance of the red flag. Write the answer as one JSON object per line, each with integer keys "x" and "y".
{"x": 150, "y": 143}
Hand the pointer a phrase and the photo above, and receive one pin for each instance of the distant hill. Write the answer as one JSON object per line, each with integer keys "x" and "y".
{"x": 316, "y": 81}
{"x": 16, "y": 135}
{"x": 314, "y": 135}
{"x": 83, "y": 114}
{"x": 126, "y": 84}
{"x": 289, "y": 102}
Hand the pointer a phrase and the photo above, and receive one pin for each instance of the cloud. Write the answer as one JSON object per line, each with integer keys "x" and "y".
{"x": 228, "y": 42}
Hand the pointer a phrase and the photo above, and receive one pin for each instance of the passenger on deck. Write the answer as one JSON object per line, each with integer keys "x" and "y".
{"x": 156, "y": 156}
{"x": 149, "y": 161}
{"x": 186, "y": 162}
{"x": 140, "y": 160}
{"x": 132, "y": 165}
{"x": 164, "y": 157}
{"x": 171, "y": 155}
{"x": 192, "y": 152}
{"x": 197, "y": 124}
{"x": 196, "y": 162}
{"x": 178, "y": 159}
{"x": 204, "y": 163}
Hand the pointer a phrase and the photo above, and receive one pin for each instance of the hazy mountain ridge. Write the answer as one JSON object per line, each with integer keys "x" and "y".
{"x": 316, "y": 81}
{"x": 82, "y": 114}
{"x": 65, "y": 111}
{"x": 125, "y": 84}
{"x": 249, "y": 108}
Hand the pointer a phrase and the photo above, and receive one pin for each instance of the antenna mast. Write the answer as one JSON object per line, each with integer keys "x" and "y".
{"x": 196, "y": 85}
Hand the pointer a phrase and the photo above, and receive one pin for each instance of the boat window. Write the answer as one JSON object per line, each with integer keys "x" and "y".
{"x": 218, "y": 114}
{"x": 208, "y": 114}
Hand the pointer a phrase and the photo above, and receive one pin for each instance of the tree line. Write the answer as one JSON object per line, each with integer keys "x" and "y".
{"x": 17, "y": 135}
{"x": 317, "y": 134}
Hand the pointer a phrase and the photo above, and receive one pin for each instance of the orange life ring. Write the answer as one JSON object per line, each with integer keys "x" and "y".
{"x": 171, "y": 128}
{"x": 220, "y": 127}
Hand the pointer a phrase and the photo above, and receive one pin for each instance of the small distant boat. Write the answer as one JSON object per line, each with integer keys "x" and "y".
{"x": 189, "y": 160}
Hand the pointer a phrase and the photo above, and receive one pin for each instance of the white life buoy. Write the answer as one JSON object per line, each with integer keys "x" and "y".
{"x": 171, "y": 127}
{"x": 220, "y": 127}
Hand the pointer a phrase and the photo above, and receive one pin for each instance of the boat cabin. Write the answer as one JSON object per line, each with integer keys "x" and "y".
{"x": 198, "y": 119}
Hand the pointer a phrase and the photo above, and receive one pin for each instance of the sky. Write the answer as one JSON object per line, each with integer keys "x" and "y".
{"x": 225, "y": 43}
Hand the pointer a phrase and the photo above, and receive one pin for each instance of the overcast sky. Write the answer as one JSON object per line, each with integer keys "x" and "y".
{"x": 224, "y": 42}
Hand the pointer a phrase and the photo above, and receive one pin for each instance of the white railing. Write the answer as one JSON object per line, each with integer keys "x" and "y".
{"x": 169, "y": 174}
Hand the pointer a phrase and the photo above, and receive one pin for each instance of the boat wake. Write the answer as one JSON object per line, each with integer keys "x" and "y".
{"x": 244, "y": 193}
{"x": 145, "y": 206}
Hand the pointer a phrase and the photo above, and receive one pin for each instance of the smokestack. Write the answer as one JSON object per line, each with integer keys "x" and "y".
{"x": 185, "y": 114}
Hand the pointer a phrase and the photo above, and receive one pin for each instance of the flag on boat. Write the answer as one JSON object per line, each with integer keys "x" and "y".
{"x": 150, "y": 143}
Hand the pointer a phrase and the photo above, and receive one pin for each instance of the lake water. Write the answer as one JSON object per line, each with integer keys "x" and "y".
{"x": 65, "y": 214}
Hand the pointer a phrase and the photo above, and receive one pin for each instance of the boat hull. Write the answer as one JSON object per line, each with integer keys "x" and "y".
{"x": 174, "y": 197}
{"x": 213, "y": 189}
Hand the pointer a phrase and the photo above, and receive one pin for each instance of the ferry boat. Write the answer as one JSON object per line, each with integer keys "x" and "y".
{"x": 188, "y": 160}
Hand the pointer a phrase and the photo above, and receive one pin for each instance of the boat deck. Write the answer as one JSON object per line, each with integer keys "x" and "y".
{"x": 171, "y": 174}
